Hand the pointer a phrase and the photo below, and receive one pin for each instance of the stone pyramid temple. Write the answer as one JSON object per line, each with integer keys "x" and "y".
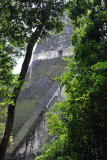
{"x": 38, "y": 94}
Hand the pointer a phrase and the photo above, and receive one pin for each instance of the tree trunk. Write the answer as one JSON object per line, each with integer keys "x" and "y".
{"x": 11, "y": 108}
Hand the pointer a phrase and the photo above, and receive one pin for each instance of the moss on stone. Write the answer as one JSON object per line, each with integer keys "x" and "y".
{"x": 35, "y": 88}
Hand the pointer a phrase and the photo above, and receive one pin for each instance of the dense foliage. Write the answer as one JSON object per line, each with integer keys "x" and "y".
{"x": 7, "y": 83}
{"x": 79, "y": 122}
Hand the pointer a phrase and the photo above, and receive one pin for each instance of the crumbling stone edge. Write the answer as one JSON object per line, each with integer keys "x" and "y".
{"x": 33, "y": 119}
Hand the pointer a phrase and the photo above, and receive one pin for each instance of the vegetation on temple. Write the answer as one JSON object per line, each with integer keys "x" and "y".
{"x": 79, "y": 122}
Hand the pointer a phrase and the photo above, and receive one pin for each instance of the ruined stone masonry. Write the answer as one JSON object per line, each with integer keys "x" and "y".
{"x": 55, "y": 46}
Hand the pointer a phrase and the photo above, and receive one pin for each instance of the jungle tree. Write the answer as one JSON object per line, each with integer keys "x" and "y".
{"x": 23, "y": 23}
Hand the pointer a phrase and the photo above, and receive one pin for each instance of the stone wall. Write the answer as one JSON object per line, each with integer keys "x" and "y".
{"x": 60, "y": 52}
{"x": 39, "y": 80}
{"x": 51, "y": 46}
{"x": 28, "y": 143}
